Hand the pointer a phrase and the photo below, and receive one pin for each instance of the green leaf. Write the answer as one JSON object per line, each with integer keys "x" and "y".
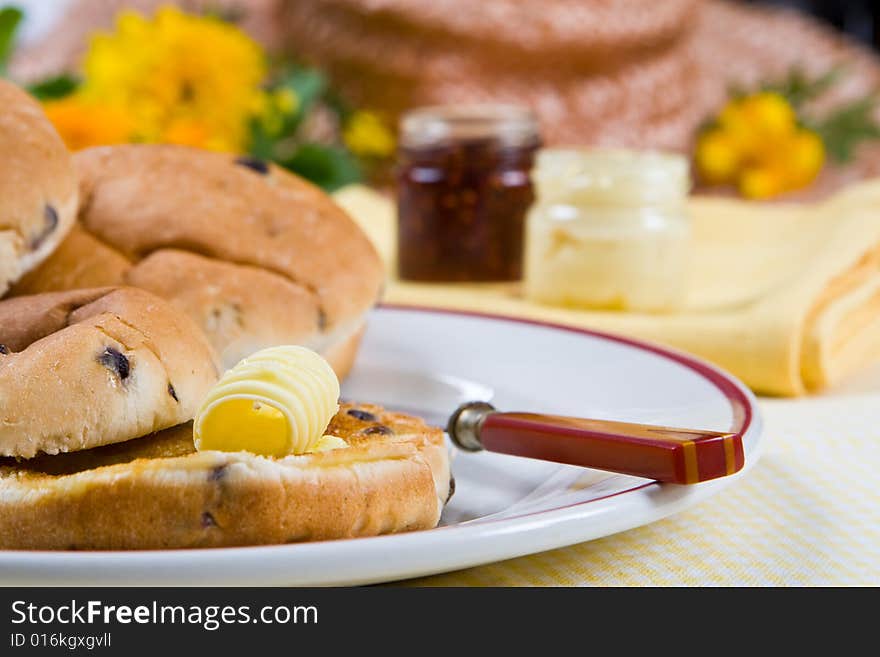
{"x": 328, "y": 167}
{"x": 262, "y": 144}
{"x": 797, "y": 88}
{"x": 308, "y": 85}
{"x": 225, "y": 14}
{"x": 55, "y": 87}
{"x": 10, "y": 18}
{"x": 338, "y": 104}
{"x": 843, "y": 130}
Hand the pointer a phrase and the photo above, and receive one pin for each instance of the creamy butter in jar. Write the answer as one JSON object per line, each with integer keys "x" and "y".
{"x": 609, "y": 230}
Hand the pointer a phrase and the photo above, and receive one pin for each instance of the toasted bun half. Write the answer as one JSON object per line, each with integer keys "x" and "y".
{"x": 84, "y": 368}
{"x": 156, "y": 492}
{"x": 255, "y": 255}
{"x": 38, "y": 188}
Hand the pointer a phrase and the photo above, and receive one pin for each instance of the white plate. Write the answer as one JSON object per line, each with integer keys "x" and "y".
{"x": 503, "y": 506}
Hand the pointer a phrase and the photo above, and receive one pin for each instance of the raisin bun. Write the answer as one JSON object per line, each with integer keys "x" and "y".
{"x": 84, "y": 368}
{"x": 157, "y": 492}
{"x": 38, "y": 190}
{"x": 254, "y": 254}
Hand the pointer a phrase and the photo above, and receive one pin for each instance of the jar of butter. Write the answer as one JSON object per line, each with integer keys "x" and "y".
{"x": 609, "y": 230}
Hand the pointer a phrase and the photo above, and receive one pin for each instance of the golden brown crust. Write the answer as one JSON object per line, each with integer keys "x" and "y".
{"x": 84, "y": 368}
{"x": 241, "y": 308}
{"x": 38, "y": 189}
{"x": 81, "y": 261}
{"x": 156, "y": 492}
{"x": 255, "y": 255}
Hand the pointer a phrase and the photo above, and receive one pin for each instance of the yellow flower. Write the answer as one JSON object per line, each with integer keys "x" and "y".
{"x": 718, "y": 157}
{"x": 181, "y": 77}
{"x": 758, "y": 146}
{"x": 82, "y": 123}
{"x": 761, "y": 182}
{"x": 761, "y": 114}
{"x": 367, "y": 135}
{"x": 807, "y": 155}
{"x": 275, "y": 107}
{"x": 286, "y": 101}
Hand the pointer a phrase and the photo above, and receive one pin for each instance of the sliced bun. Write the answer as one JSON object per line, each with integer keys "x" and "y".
{"x": 84, "y": 368}
{"x": 38, "y": 188}
{"x": 157, "y": 492}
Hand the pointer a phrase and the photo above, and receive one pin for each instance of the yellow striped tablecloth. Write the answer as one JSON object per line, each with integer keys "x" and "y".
{"x": 807, "y": 514}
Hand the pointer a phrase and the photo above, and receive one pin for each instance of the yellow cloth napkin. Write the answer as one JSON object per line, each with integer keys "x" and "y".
{"x": 784, "y": 296}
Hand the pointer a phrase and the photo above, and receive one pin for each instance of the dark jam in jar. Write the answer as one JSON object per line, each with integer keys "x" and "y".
{"x": 463, "y": 190}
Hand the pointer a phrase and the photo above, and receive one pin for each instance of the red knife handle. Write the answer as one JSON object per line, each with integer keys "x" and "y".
{"x": 668, "y": 454}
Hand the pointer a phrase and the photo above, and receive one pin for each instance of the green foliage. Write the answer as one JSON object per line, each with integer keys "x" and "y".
{"x": 280, "y": 139}
{"x": 799, "y": 89}
{"x": 308, "y": 85}
{"x": 329, "y": 167}
{"x": 278, "y": 136}
{"x": 10, "y": 19}
{"x": 54, "y": 87}
{"x": 51, "y": 88}
{"x": 844, "y": 128}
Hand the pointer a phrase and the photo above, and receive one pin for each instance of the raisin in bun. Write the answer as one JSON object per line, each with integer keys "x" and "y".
{"x": 254, "y": 254}
{"x": 84, "y": 368}
{"x": 157, "y": 492}
{"x": 38, "y": 190}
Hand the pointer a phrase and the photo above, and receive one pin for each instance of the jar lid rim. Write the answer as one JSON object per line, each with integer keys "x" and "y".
{"x": 606, "y": 167}
{"x": 509, "y": 123}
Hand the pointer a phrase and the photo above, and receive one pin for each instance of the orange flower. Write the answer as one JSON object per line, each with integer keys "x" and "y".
{"x": 187, "y": 132}
{"x": 83, "y": 123}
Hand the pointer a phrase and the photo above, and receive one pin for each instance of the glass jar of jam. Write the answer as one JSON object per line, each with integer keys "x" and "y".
{"x": 463, "y": 190}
